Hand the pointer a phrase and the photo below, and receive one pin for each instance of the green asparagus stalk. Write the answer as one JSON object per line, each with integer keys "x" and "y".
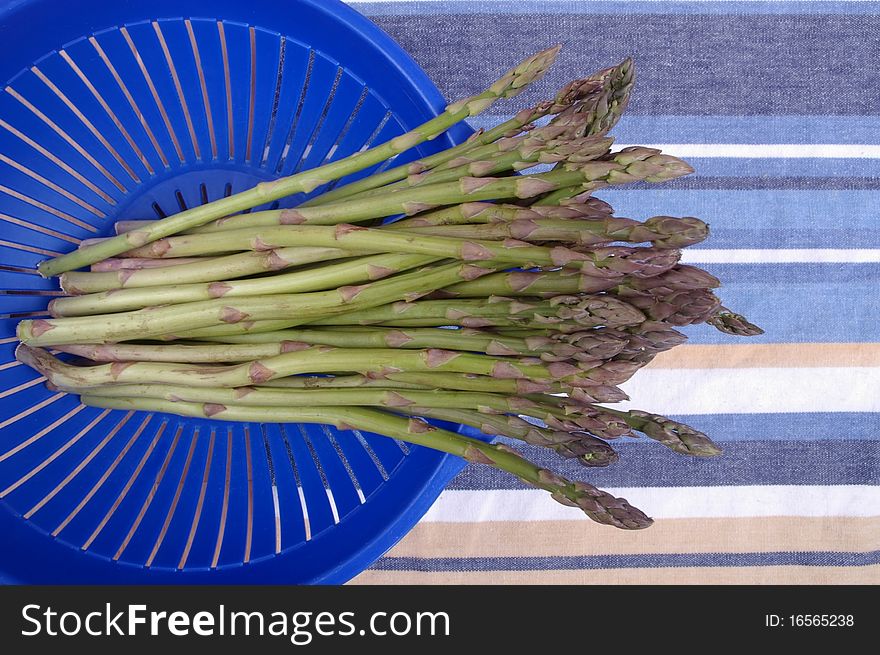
{"x": 671, "y": 232}
{"x": 594, "y": 393}
{"x": 674, "y": 435}
{"x": 183, "y": 353}
{"x": 499, "y": 324}
{"x": 331, "y": 276}
{"x": 359, "y": 239}
{"x": 546, "y": 284}
{"x": 478, "y": 213}
{"x": 291, "y": 309}
{"x": 512, "y": 83}
{"x": 564, "y": 197}
{"x": 206, "y": 269}
{"x": 598, "y": 505}
{"x": 581, "y": 310}
{"x": 355, "y": 380}
{"x": 135, "y": 263}
{"x": 414, "y": 338}
{"x": 315, "y": 359}
{"x": 576, "y": 416}
{"x": 628, "y": 165}
{"x": 587, "y": 449}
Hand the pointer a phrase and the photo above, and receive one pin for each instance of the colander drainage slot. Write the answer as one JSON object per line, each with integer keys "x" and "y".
{"x": 276, "y": 507}
{"x": 200, "y": 502}
{"x": 51, "y": 185}
{"x": 38, "y": 228}
{"x": 64, "y": 135}
{"x": 169, "y": 515}
{"x": 128, "y": 485}
{"x": 273, "y": 116}
{"x": 112, "y": 467}
{"x": 294, "y": 124}
{"x": 317, "y": 129}
{"x": 79, "y": 467}
{"x": 56, "y": 160}
{"x": 131, "y": 101}
{"x": 86, "y": 122}
{"x": 224, "y": 511}
{"x": 106, "y": 107}
{"x": 299, "y": 486}
{"x": 149, "y": 80}
{"x": 149, "y": 499}
{"x": 321, "y": 473}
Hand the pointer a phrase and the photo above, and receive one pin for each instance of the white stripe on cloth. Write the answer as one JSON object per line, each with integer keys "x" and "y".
{"x": 464, "y": 506}
{"x": 781, "y": 256}
{"x": 755, "y": 390}
{"x": 768, "y": 150}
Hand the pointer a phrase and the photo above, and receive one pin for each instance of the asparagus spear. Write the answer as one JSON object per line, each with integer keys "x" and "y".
{"x": 574, "y": 415}
{"x": 365, "y": 337}
{"x": 340, "y": 382}
{"x": 598, "y": 505}
{"x": 135, "y": 263}
{"x": 206, "y": 269}
{"x": 473, "y": 213}
{"x": 358, "y": 239}
{"x": 732, "y": 323}
{"x": 509, "y": 85}
{"x": 594, "y": 393}
{"x": 550, "y": 283}
{"x": 670, "y": 232}
{"x": 674, "y": 435}
{"x": 628, "y": 165}
{"x": 587, "y": 449}
{"x": 293, "y": 309}
{"x": 314, "y": 359}
{"x": 412, "y": 339}
{"x": 350, "y": 271}
{"x": 583, "y": 311}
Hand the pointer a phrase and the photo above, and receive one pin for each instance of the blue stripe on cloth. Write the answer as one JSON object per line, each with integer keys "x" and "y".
{"x": 815, "y": 180}
{"x": 748, "y": 129}
{"x": 818, "y": 237}
{"x": 687, "y": 64}
{"x": 649, "y": 464}
{"x": 761, "y": 209}
{"x": 797, "y": 303}
{"x": 602, "y": 7}
{"x": 777, "y": 170}
{"x": 653, "y": 561}
{"x": 662, "y": 128}
{"x": 821, "y": 426}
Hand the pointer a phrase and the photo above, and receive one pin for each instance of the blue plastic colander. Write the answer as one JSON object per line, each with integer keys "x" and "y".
{"x": 123, "y": 109}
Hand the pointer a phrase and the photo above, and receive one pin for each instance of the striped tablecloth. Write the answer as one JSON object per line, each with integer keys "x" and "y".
{"x": 777, "y": 105}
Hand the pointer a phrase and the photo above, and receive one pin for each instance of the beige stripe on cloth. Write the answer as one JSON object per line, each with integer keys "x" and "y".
{"x": 771, "y": 355}
{"x": 721, "y": 575}
{"x": 703, "y": 535}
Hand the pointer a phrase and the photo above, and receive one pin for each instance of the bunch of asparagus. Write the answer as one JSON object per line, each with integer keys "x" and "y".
{"x": 328, "y": 313}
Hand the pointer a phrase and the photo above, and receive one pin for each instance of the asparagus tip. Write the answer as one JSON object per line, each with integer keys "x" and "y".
{"x": 736, "y": 324}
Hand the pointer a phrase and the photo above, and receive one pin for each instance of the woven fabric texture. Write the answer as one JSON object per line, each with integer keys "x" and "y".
{"x": 776, "y": 105}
